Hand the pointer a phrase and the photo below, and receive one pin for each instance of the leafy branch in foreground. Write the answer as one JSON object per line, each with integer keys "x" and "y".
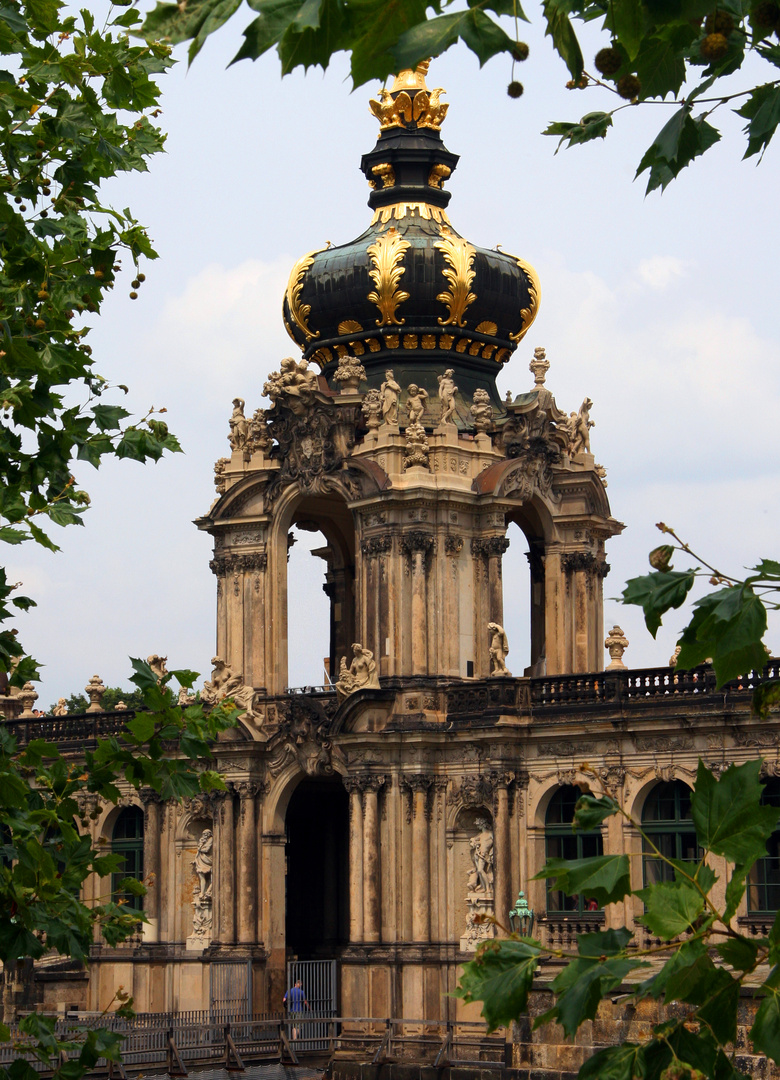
{"x": 651, "y": 51}
{"x": 76, "y": 108}
{"x": 728, "y": 624}
{"x": 702, "y": 960}
{"x": 47, "y": 853}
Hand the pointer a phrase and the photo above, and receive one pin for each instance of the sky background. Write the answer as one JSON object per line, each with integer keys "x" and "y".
{"x": 662, "y": 309}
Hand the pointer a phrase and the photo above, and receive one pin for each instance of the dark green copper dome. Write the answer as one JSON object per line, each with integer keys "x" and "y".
{"x": 410, "y": 293}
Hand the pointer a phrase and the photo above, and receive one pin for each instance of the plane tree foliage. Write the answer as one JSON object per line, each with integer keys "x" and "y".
{"x": 702, "y": 961}
{"x": 678, "y": 52}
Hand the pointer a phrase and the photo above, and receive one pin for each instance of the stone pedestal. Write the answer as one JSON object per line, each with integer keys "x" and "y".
{"x": 200, "y": 938}
{"x": 477, "y": 931}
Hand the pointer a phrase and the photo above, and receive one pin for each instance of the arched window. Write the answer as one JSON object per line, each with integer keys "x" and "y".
{"x": 666, "y": 820}
{"x": 764, "y": 881}
{"x": 561, "y": 842}
{"x": 127, "y": 840}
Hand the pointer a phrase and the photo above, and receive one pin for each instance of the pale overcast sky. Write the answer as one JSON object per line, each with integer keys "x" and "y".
{"x": 662, "y": 310}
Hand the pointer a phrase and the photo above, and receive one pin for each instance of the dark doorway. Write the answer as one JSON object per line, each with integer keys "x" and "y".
{"x": 317, "y": 858}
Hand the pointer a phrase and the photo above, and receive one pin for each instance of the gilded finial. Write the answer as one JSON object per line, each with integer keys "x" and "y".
{"x": 409, "y": 103}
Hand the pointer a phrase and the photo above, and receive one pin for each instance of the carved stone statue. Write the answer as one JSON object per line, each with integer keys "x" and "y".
{"x": 259, "y": 437}
{"x": 481, "y": 845}
{"x": 579, "y": 426}
{"x": 95, "y": 690}
{"x": 202, "y": 863}
{"x": 480, "y": 925}
{"x": 499, "y": 649}
{"x": 481, "y": 410}
{"x": 415, "y": 402}
{"x": 361, "y": 673}
{"x": 391, "y": 392}
{"x": 225, "y": 683}
{"x": 372, "y": 409}
{"x": 416, "y": 446}
{"x": 447, "y": 392}
{"x": 239, "y": 425}
{"x": 293, "y": 386}
{"x": 186, "y": 697}
{"x": 158, "y": 666}
{"x": 61, "y": 708}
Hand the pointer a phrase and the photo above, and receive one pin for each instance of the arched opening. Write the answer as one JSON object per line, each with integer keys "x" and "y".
{"x": 308, "y": 609}
{"x": 764, "y": 879}
{"x": 127, "y": 840}
{"x": 317, "y": 870}
{"x": 561, "y": 842}
{"x": 318, "y": 633}
{"x": 524, "y": 599}
{"x": 666, "y": 821}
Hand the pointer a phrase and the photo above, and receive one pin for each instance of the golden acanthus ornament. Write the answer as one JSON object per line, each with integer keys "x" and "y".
{"x": 535, "y": 294}
{"x": 300, "y": 312}
{"x": 386, "y": 254}
{"x": 459, "y": 254}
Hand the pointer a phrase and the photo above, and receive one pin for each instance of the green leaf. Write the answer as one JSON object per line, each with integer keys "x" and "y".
{"x": 765, "y": 695}
{"x": 430, "y": 38}
{"x": 768, "y": 568}
{"x": 560, "y": 29}
{"x": 484, "y": 37}
{"x": 660, "y": 62}
{"x": 762, "y": 110}
{"x": 377, "y": 26}
{"x": 500, "y": 977}
{"x": 603, "y": 878}
{"x": 678, "y": 143}
{"x": 625, "y": 19}
{"x": 740, "y": 952}
{"x": 735, "y": 890}
{"x": 614, "y": 1063}
{"x": 765, "y": 1032}
{"x": 671, "y": 908}
{"x": 272, "y": 22}
{"x": 728, "y": 815}
{"x": 592, "y": 126}
{"x": 217, "y": 16}
{"x": 656, "y": 593}
{"x": 580, "y": 988}
{"x": 727, "y": 626}
{"x": 12, "y": 536}
{"x": 590, "y": 812}
{"x": 603, "y": 942}
{"x": 142, "y": 726}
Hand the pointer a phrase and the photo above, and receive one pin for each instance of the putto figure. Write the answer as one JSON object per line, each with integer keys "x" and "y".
{"x": 499, "y": 649}
{"x": 447, "y": 392}
{"x": 415, "y": 402}
{"x": 361, "y": 673}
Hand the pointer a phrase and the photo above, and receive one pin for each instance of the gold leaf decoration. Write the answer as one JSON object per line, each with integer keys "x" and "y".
{"x": 349, "y": 326}
{"x": 535, "y": 293}
{"x": 489, "y": 328}
{"x": 386, "y": 255}
{"x": 300, "y": 312}
{"x": 460, "y": 274}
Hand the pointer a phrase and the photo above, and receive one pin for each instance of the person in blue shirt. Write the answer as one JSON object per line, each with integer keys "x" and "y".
{"x": 296, "y": 1002}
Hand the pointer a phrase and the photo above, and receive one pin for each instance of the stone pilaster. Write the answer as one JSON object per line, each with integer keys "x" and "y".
{"x": 372, "y": 885}
{"x": 152, "y": 802}
{"x": 352, "y": 784}
{"x": 246, "y": 862}
{"x": 419, "y": 786}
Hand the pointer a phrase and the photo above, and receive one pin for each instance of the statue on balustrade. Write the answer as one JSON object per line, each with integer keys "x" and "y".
{"x": 499, "y": 649}
{"x": 226, "y": 683}
{"x": 361, "y": 673}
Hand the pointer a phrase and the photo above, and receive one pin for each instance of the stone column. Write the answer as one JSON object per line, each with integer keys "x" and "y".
{"x": 495, "y": 546}
{"x": 418, "y": 546}
{"x": 246, "y": 863}
{"x": 352, "y": 784}
{"x": 419, "y": 785}
{"x": 152, "y": 861}
{"x": 372, "y": 887}
{"x": 225, "y": 840}
{"x": 502, "y": 854}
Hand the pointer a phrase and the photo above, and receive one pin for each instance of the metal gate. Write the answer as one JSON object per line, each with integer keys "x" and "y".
{"x": 319, "y": 984}
{"x": 231, "y": 989}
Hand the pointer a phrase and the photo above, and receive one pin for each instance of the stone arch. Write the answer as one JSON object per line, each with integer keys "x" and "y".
{"x": 639, "y": 796}
{"x": 331, "y": 515}
{"x": 534, "y": 521}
